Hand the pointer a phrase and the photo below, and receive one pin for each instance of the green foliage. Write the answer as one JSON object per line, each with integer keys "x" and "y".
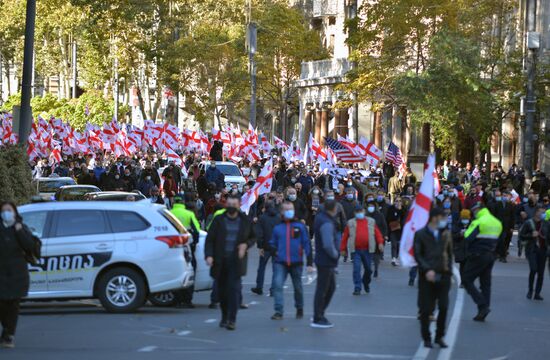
{"x": 74, "y": 110}
{"x": 15, "y": 175}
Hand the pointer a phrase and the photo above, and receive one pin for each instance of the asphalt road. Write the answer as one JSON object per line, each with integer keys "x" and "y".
{"x": 380, "y": 325}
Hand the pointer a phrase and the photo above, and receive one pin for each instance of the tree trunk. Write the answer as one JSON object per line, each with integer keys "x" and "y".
{"x": 65, "y": 68}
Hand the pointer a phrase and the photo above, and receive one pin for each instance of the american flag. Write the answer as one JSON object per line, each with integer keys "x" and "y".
{"x": 342, "y": 152}
{"x": 394, "y": 155}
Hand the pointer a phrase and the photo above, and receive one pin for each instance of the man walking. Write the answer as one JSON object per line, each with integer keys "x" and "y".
{"x": 481, "y": 241}
{"x": 229, "y": 237}
{"x": 363, "y": 236}
{"x": 326, "y": 260}
{"x": 289, "y": 242}
{"x": 433, "y": 251}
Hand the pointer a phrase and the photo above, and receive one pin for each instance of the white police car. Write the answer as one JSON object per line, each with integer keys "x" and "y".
{"x": 118, "y": 252}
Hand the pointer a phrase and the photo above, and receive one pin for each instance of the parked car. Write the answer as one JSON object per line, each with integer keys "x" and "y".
{"x": 115, "y": 196}
{"x": 232, "y": 172}
{"x": 46, "y": 187}
{"x": 116, "y": 253}
{"x": 74, "y": 192}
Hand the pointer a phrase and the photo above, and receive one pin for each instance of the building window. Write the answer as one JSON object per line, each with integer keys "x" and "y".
{"x": 332, "y": 20}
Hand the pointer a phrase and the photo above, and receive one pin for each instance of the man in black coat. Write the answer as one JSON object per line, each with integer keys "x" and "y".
{"x": 15, "y": 239}
{"x": 264, "y": 230}
{"x": 229, "y": 237}
{"x": 502, "y": 208}
{"x": 299, "y": 206}
{"x": 433, "y": 251}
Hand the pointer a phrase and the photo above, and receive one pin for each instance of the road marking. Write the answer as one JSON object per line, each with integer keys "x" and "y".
{"x": 210, "y": 321}
{"x": 253, "y": 303}
{"x": 452, "y": 330}
{"x": 184, "y": 333}
{"x": 148, "y": 349}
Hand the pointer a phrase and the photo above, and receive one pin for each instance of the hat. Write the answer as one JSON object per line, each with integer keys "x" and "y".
{"x": 465, "y": 214}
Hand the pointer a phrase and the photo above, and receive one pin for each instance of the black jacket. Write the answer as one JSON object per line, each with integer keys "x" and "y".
{"x": 14, "y": 273}
{"x": 432, "y": 254}
{"x": 215, "y": 243}
{"x": 265, "y": 225}
{"x": 504, "y": 211}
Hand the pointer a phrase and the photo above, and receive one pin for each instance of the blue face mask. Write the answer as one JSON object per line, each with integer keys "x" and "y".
{"x": 379, "y": 198}
{"x": 360, "y": 215}
{"x": 543, "y": 216}
{"x": 446, "y": 205}
{"x": 349, "y": 196}
{"x": 288, "y": 214}
{"x": 498, "y": 198}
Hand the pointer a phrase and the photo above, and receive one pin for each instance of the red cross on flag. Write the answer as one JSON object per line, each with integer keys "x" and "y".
{"x": 368, "y": 149}
{"x": 262, "y": 186}
{"x": 418, "y": 215}
{"x": 315, "y": 150}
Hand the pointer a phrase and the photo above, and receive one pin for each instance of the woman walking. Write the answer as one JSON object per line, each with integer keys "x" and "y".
{"x": 15, "y": 240}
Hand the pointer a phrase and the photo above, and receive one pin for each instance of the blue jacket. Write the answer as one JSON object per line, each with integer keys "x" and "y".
{"x": 214, "y": 175}
{"x": 289, "y": 241}
{"x": 327, "y": 242}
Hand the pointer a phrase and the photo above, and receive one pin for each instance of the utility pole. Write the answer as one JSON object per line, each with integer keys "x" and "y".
{"x": 533, "y": 43}
{"x": 116, "y": 87}
{"x": 75, "y": 72}
{"x": 25, "y": 119}
{"x": 251, "y": 37}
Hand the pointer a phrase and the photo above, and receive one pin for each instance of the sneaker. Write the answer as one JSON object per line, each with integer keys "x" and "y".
{"x": 321, "y": 324}
{"x": 231, "y": 326}
{"x": 357, "y": 292}
{"x": 223, "y": 323}
{"x": 482, "y": 314}
{"x": 411, "y": 282}
{"x": 367, "y": 289}
{"x": 257, "y": 291}
{"x": 442, "y": 344}
{"x": 243, "y": 306}
{"x": 299, "y": 313}
{"x": 8, "y": 342}
{"x": 538, "y": 297}
{"x": 529, "y": 294}
{"x": 375, "y": 273}
{"x": 277, "y": 316}
{"x": 394, "y": 262}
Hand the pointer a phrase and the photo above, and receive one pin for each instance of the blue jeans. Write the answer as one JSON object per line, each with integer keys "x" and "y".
{"x": 363, "y": 257}
{"x": 280, "y": 272}
{"x": 261, "y": 270}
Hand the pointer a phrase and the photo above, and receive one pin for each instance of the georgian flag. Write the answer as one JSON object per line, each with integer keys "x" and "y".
{"x": 262, "y": 186}
{"x": 316, "y": 152}
{"x": 418, "y": 215}
{"x": 370, "y": 151}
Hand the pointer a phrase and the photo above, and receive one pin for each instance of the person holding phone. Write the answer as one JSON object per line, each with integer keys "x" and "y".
{"x": 433, "y": 251}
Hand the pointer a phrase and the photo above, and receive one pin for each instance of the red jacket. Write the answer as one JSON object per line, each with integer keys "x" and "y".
{"x": 361, "y": 236}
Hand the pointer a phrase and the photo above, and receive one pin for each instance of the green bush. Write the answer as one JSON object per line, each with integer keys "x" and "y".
{"x": 15, "y": 175}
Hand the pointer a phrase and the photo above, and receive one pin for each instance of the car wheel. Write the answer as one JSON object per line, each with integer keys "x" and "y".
{"x": 122, "y": 290}
{"x": 163, "y": 299}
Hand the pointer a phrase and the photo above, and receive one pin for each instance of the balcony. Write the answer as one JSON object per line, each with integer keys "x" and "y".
{"x": 323, "y": 8}
{"x": 324, "y": 68}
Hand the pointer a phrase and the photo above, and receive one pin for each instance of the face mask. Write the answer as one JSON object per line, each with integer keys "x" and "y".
{"x": 117, "y": 177}
{"x": 498, "y": 198}
{"x": 350, "y": 183}
{"x": 370, "y": 199}
{"x": 465, "y": 221}
{"x": 525, "y": 200}
{"x": 232, "y": 210}
{"x": 446, "y": 205}
{"x": 349, "y": 196}
{"x": 445, "y": 193}
{"x": 442, "y": 224}
{"x": 440, "y": 197}
{"x": 452, "y": 194}
{"x": 148, "y": 178}
{"x": 360, "y": 215}
{"x": 370, "y": 209}
{"x": 293, "y": 180}
{"x": 292, "y": 197}
{"x": 288, "y": 214}
{"x": 379, "y": 198}
{"x": 372, "y": 184}
{"x": 330, "y": 197}
{"x": 246, "y": 171}
{"x": 8, "y": 217}
{"x": 217, "y": 196}
{"x": 316, "y": 192}
{"x": 543, "y": 216}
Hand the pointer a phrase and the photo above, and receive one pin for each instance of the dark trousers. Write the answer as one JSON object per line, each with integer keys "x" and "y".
{"x": 479, "y": 266}
{"x": 326, "y": 285}
{"x": 428, "y": 295}
{"x": 229, "y": 290}
{"x": 504, "y": 243}
{"x": 395, "y": 239}
{"x": 537, "y": 263}
{"x": 9, "y": 312}
{"x": 260, "y": 277}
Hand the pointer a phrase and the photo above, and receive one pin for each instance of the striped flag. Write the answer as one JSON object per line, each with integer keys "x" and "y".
{"x": 343, "y": 152}
{"x": 394, "y": 155}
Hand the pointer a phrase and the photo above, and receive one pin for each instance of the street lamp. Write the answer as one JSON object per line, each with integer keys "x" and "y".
{"x": 25, "y": 119}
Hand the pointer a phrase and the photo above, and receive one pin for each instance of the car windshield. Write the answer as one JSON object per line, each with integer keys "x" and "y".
{"x": 50, "y": 186}
{"x": 229, "y": 170}
{"x": 74, "y": 194}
